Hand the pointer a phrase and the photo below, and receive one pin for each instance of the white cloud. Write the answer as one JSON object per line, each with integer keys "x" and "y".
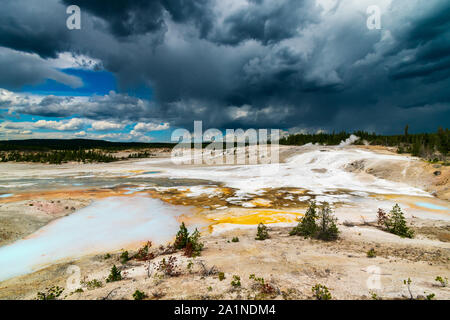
{"x": 66, "y": 60}
{"x": 146, "y": 127}
{"x": 81, "y": 134}
{"x": 70, "y": 125}
{"x": 106, "y": 125}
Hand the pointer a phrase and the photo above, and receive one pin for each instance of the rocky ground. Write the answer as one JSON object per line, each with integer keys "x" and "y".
{"x": 289, "y": 265}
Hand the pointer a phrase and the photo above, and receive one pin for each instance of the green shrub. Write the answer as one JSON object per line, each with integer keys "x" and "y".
{"x": 107, "y": 256}
{"x": 307, "y": 226}
{"x": 236, "y": 282}
{"x": 235, "y": 239}
{"x": 189, "y": 242}
{"x": 430, "y": 296}
{"x": 139, "y": 295}
{"x": 143, "y": 253}
{"x": 50, "y": 294}
{"x": 264, "y": 287}
{"x": 221, "y": 276}
{"x": 443, "y": 281}
{"x": 371, "y": 253}
{"x": 124, "y": 257}
{"x": 374, "y": 296}
{"x": 261, "y": 233}
{"x": 169, "y": 266}
{"x": 93, "y": 284}
{"x": 320, "y": 292}
{"x": 114, "y": 275}
{"x": 408, "y": 284}
{"x": 190, "y": 265}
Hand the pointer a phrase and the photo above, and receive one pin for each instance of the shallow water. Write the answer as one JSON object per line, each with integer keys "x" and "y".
{"x": 7, "y": 195}
{"x": 430, "y": 206}
{"x": 106, "y": 225}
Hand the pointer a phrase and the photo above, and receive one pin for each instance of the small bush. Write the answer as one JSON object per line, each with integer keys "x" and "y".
{"x": 374, "y": 296}
{"x": 371, "y": 253}
{"x": 221, "y": 276}
{"x": 190, "y": 265}
{"x": 442, "y": 281}
{"x": 107, "y": 256}
{"x": 143, "y": 254}
{"x": 124, "y": 257}
{"x": 236, "y": 282}
{"x": 93, "y": 284}
{"x": 264, "y": 287}
{"x": 189, "y": 242}
{"x": 408, "y": 284}
{"x": 235, "y": 239}
{"x": 50, "y": 294}
{"x": 381, "y": 217}
{"x": 139, "y": 295}
{"x": 261, "y": 233}
{"x": 320, "y": 292}
{"x": 430, "y": 296}
{"x": 169, "y": 266}
{"x": 114, "y": 275}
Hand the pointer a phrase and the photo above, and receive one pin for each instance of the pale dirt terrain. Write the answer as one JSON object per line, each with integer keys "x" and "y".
{"x": 433, "y": 178}
{"x": 22, "y": 218}
{"x": 291, "y": 265}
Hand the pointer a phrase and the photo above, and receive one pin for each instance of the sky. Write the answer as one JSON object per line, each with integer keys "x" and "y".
{"x": 137, "y": 70}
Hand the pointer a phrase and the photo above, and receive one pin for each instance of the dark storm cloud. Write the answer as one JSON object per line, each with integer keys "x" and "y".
{"x": 429, "y": 34}
{"x": 18, "y": 69}
{"x": 266, "y": 21}
{"x": 138, "y": 17}
{"x": 255, "y": 63}
{"x": 29, "y": 25}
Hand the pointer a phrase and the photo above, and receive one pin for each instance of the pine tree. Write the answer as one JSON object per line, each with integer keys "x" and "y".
{"x": 307, "y": 226}
{"x": 328, "y": 230}
{"x": 396, "y": 223}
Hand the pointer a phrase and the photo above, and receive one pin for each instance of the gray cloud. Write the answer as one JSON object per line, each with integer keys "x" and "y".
{"x": 18, "y": 69}
{"x": 262, "y": 64}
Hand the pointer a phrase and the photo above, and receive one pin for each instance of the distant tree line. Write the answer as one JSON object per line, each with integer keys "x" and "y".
{"x": 58, "y": 157}
{"x": 76, "y": 144}
{"x": 431, "y": 146}
{"x": 139, "y": 155}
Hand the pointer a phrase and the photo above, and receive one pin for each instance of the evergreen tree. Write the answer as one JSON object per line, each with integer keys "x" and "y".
{"x": 396, "y": 223}
{"x": 307, "y": 226}
{"x": 327, "y": 224}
